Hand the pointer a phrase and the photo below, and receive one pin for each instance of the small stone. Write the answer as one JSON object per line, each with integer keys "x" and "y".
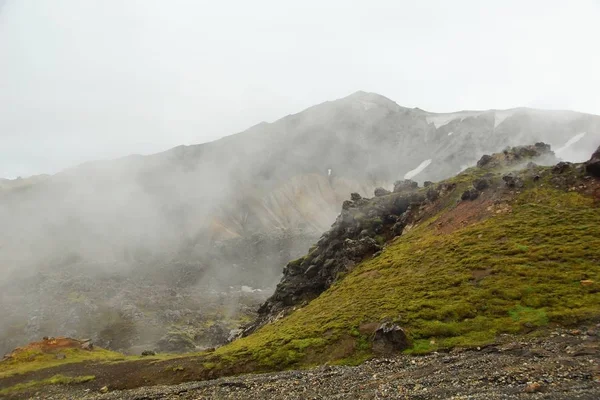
{"x": 104, "y": 389}
{"x": 586, "y": 282}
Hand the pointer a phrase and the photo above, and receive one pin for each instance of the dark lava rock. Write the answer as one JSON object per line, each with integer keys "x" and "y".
{"x": 407, "y": 184}
{"x": 146, "y": 353}
{"x": 427, "y": 183}
{"x": 484, "y": 160}
{"x": 513, "y": 181}
{"x": 481, "y": 184}
{"x": 561, "y": 167}
{"x": 470, "y": 194}
{"x": 381, "y": 192}
{"x": 592, "y": 167}
{"x": 311, "y": 271}
{"x": 355, "y": 196}
{"x": 390, "y": 338}
{"x": 432, "y": 194}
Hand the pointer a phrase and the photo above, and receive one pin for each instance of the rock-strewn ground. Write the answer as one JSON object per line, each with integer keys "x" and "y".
{"x": 564, "y": 365}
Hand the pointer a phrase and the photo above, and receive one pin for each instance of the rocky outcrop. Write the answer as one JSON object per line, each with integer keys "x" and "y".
{"x": 359, "y": 231}
{"x": 512, "y": 156}
{"x": 592, "y": 167}
{"x": 364, "y": 225}
{"x": 390, "y": 338}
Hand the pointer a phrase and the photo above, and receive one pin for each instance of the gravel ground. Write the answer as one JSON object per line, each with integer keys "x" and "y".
{"x": 565, "y": 365}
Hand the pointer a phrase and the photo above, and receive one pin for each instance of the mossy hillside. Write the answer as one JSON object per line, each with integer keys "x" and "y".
{"x": 54, "y": 380}
{"x": 510, "y": 273}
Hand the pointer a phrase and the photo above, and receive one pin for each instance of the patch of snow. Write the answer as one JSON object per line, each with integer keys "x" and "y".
{"x": 450, "y": 133}
{"x": 418, "y": 170}
{"x": 442, "y": 119}
{"x": 329, "y": 172}
{"x": 570, "y": 142}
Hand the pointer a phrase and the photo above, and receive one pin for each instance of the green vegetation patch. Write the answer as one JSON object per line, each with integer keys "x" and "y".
{"x": 34, "y": 359}
{"x": 511, "y": 273}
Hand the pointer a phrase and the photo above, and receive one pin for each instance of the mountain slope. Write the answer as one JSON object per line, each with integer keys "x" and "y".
{"x": 111, "y": 241}
{"x": 505, "y": 248}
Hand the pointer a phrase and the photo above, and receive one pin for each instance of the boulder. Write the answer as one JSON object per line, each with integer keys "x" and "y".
{"x": 561, "y": 167}
{"x": 146, "y": 353}
{"x": 470, "y": 194}
{"x": 355, "y": 196}
{"x": 512, "y": 181}
{"x": 432, "y": 194}
{"x": 592, "y": 167}
{"x": 407, "y": 184}
{"x": 481, "y": 184}
{"x": 427, "y": 183}
{"x": 484, "y": 160}
{"x": 381, "y": 192}
{"x": 390, "y": 338}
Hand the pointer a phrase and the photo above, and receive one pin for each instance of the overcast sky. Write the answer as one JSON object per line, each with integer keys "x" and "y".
{"x": 83, "y": 79}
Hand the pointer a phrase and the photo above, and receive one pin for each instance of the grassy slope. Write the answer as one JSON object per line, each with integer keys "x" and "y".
{"x": 32, "y": 360}
{"x": 509, "y": 273}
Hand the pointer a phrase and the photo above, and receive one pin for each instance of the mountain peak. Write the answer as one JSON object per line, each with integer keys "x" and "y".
{"x": 371, "y": 100}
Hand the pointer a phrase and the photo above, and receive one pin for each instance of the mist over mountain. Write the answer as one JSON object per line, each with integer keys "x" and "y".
{"x": 192, "y": 239}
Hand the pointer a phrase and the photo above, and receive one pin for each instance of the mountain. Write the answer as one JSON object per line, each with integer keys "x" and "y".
{"x": 492, "y": 274}
{"x": 176, "y": 249}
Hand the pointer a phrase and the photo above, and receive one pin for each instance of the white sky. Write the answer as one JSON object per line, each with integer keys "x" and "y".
{"x": 83, "y": 80}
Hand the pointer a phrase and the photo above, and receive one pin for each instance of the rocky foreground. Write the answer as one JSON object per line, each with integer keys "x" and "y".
{"x": 563, "y": 365}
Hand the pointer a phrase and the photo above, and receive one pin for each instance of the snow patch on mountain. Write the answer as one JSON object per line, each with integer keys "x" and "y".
{"x": 570, "y": 142}
{"x": 418, "y": 170}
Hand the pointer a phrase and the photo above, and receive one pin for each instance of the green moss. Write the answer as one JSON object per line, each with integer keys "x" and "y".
{"x": 534, "y": 258}
{"x": 32, "y": 360}
{"x": 54, "y": 380}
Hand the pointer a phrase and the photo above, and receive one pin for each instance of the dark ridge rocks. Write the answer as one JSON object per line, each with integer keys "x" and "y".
{"x": 381, "y": 192}
{"x": 359, "y": 231}
{"x": 592, "y": 167}
{"x": 484, "y": 160}
{"x": 405, "y": 185}
{"x": 470, "y": 194}
{"x": 518, "y": 154}
{"x": 473, "y": 192}
{"x": 562, "y": 167}
{"x": 513, "y": 181}
{"x": 390, "y": 338}
{"x": 481, "y": 184}
{"x": 364, "y": 225}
